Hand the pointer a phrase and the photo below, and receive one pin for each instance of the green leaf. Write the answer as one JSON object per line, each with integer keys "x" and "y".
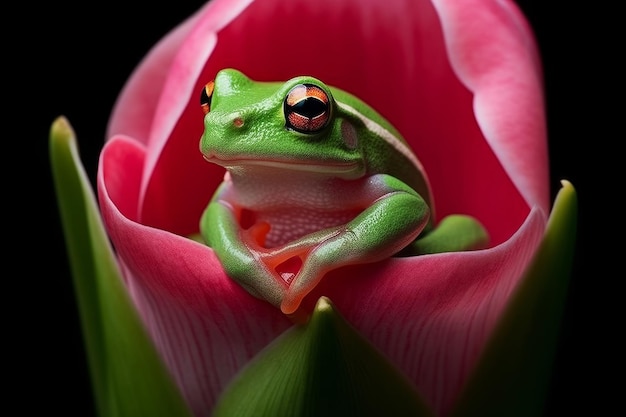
{"x": 513, "y": 374}
{"x": 128, "y": 376}
{"x": 322, "y": 368}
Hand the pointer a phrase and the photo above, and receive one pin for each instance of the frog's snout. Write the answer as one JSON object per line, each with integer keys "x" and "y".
{"x": 223, "y": 122}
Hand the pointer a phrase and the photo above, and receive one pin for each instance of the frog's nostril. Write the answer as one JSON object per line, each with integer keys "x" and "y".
{"x": 238, "y": 122}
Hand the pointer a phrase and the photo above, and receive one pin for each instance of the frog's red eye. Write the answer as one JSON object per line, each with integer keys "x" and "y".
{"x": 205, "y": 96}
{"x": 307, "y": 108}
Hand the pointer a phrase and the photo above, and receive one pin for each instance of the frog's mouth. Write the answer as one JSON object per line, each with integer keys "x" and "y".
{"x": 343, "y": 169}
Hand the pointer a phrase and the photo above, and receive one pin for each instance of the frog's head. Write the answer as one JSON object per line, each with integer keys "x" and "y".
{"x": 294, "y": 125}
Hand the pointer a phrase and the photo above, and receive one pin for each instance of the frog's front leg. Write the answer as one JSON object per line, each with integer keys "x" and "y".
{"x": 395, "y": 215}
{"x": 236, "y": 248}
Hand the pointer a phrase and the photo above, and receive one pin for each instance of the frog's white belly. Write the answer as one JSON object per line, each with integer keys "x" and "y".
{"x": 294, "y": 204}
{"x": 292, "y": 224}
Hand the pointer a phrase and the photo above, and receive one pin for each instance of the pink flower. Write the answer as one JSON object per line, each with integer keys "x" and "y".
{"x": 461, "y": 80}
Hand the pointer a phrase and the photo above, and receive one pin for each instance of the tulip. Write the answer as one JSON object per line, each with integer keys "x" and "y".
{"x": 461, "y": 80}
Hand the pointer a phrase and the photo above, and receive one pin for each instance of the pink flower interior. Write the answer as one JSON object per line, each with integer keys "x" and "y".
{"x": 431, "y": 315}
{"x": 394, "y": 60}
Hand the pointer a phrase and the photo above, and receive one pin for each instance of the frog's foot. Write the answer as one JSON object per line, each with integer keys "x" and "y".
{"x": 284, "y": 264}
{"x": 287, "y": 265}
{"x": 287, "y": 260}
{"x": 305, "y": 281}
{"x": 323, "y": 256}
{"x": 299, "y": 264}
{"x": 454, "y": 233}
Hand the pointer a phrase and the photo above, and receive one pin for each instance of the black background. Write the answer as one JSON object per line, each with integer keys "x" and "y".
{"x": 73, "y": 60}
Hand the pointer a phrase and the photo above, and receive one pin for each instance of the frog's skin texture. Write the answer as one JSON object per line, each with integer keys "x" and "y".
{"x": 316, "y": 180}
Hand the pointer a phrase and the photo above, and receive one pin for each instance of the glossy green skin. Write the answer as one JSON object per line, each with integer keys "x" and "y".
{"x": 294, "y": 206}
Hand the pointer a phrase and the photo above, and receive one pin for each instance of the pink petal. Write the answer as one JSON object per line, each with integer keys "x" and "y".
{"x": 135, "y": 110}
{"x": 473, "y": 113}
{"x": 431, "y": 315}
{"x": 205, "y": 326}
{"x": 493, "y": 52}
{"x": 392, "y": 54}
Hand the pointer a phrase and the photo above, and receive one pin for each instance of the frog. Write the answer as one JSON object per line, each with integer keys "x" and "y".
{"x": 315, "y": 180}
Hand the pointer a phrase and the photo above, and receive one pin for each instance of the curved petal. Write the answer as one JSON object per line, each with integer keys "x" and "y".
{"x": 196, "y": 314}
{"x": 493, "y": 51}
{"x": 525, "y": 339}
{"x": 391, "y": 54}
{"x": 135, "y": 110}
{"x": 204, "y": 325}
{"x": 454, "y": 303}
{"x": 423, "y": 69}
{"x": 183, "y": 83}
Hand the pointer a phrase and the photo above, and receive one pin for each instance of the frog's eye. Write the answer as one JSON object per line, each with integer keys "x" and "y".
{"x": 205, "y": 96}
{"x": 307, "y": 108}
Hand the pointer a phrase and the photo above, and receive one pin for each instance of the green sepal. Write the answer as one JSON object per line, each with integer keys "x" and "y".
{"x": 321, "y": 368}
{"x": 513, "y": 374}
{"x": 128, "y": 377}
